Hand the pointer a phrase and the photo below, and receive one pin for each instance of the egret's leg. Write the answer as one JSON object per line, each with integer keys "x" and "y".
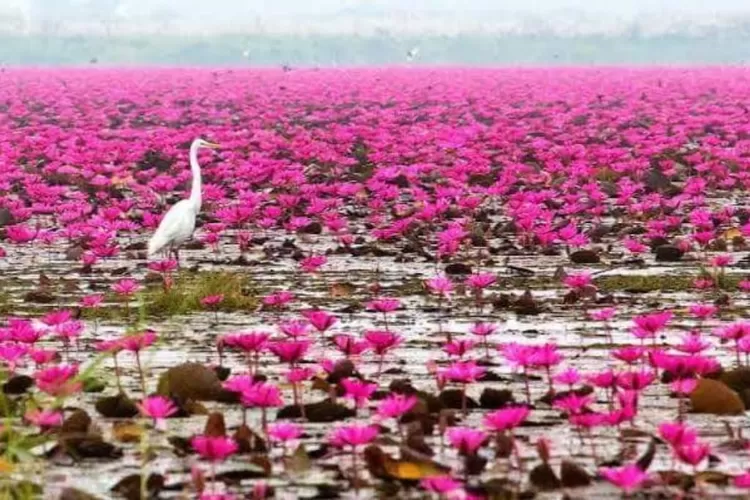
{"x": 176, "y": 255}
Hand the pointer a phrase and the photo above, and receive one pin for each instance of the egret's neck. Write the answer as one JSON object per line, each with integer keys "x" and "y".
{"x": 195, "y": 192}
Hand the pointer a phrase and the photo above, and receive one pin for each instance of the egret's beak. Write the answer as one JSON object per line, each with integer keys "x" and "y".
{"x": 212, "y": 145}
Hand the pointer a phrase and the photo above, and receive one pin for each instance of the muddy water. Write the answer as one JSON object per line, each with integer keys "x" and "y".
{"x": 193, "y": 338}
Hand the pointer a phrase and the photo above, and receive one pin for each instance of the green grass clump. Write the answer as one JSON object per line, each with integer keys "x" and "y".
{"x": 189, "y": 288}
{"x": 645, "y": 284}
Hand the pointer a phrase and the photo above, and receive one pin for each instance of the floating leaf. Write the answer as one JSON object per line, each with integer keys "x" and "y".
{"x": 382, "y": 466}
{"x": 127, "y": 432}
{"x": 341, "y": 290}
{"x": 215, "y": 426}
{"x": 644, "y": 462}
{"x": 5, "y": 466}
{"x": 298, "y": 462}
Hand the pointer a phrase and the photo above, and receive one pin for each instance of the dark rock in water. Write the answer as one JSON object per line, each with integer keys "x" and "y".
{"x": 492, "y": 399}
{"x": 312, "y": 228}
{"x": 74, "y": 253}
{"x": 452, "y": 398}
{"x": 194, "y": 381}
{"x": 520, "y": 271}
{"x": 503, "y": 301}
{"x": 543, "y": 478}
{"x": 136, "y": 245}
{"x": 153, "y": 278}
{"x": 656, "y": 242}
{"x": 75, "y": 494}
{"x": 322, "y": 411}
{"x": 737, "y": 379}
{"x": 222, "y": 372}
{"x": 526, "y": 305}
{"x": 39, "y": 296}
{"x": 573, "y": 475}
{"x": 474, "y": 464}
{"x": 194, "y": 245}
{"x": 96, "y": 447}
{"x": 6, "y": 217}
{"x": 341, "y": 370}
{"x": 668, "y": 253}
{"x": 129, "y": 487}
{"x": 18, "y": 385}
{"x": 478, "y": 240}
{"x": 656, "y": 181}
{"x": 457, "y": 268}
{"x": 585, "y": 257}
{"x": 77, "y": 440}
{"x": 119, "y": 406}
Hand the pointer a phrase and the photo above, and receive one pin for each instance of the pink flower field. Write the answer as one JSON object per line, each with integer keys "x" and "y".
{"x": 415, "y": 283}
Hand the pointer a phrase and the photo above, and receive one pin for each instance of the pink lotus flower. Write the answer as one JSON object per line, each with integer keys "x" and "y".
{"x": 44, "y": 419}
{"x": 350, "y": 346}
{"x": 578, "y": 281}
{"x": 320, "y": 320}
{"x": 290, "y": 351}
{"x": 126, "y": 287}
{"x": 395, "y": 406}
{"x": 628, "y": 477}
{"x": 605, "y": 314}
{"x": 466, "y": 440}
{"x": 284, "y": 432}
{"x": 442, "y": 485}
{"x": 352, "y": 435}
{"x": 648, "y": 325}
{"x": 358, "y": 391}
{"x": 214, "y": 449}
{"x": 506, "y": 419}
{"x": 440, "y": 285}
{"x": 279, "y": 299}
{"x": 677, "y": 434}
{"x": 92, "y": 301}
{"x": 294, "y": 328}
{"x": 157, "y": 408}
{"x": 481, "y": 281}
{"x": 384, "y": 305}
{"x": 212, "y": 301}
{"x": 138, "y": 341}
{"x": 58, "y": 380}
{"x": 692, "y": 454}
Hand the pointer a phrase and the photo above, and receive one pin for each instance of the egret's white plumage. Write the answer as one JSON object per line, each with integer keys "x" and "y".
{"x": 178, "y": 223}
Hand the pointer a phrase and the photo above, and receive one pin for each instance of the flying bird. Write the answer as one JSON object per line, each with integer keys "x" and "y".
{"x": 178, "y": 223}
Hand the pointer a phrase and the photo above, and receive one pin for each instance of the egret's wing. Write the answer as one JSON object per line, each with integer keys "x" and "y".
{"x": 170, "y": 226}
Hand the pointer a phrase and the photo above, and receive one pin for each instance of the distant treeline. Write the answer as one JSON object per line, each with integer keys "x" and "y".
{"x": 479, "y": 49}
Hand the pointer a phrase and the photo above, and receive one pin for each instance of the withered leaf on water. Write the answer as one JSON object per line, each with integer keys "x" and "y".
{"x": 383, "y": 466}
{"x": 249, "y": 441}
{"x": 644, "y": 462}
{"x": 215, "y": 426}
{"x": 129, "y": 487}
{"x": 127, "y": 432}
{"x": 298, "y": 462}
{"x": 341, "y": 290}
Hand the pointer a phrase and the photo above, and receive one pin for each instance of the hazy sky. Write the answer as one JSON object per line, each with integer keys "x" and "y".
{"x": 353, "y": 15}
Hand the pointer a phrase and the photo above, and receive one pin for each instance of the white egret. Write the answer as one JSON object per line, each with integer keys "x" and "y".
{"x": 178, "y": 223}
